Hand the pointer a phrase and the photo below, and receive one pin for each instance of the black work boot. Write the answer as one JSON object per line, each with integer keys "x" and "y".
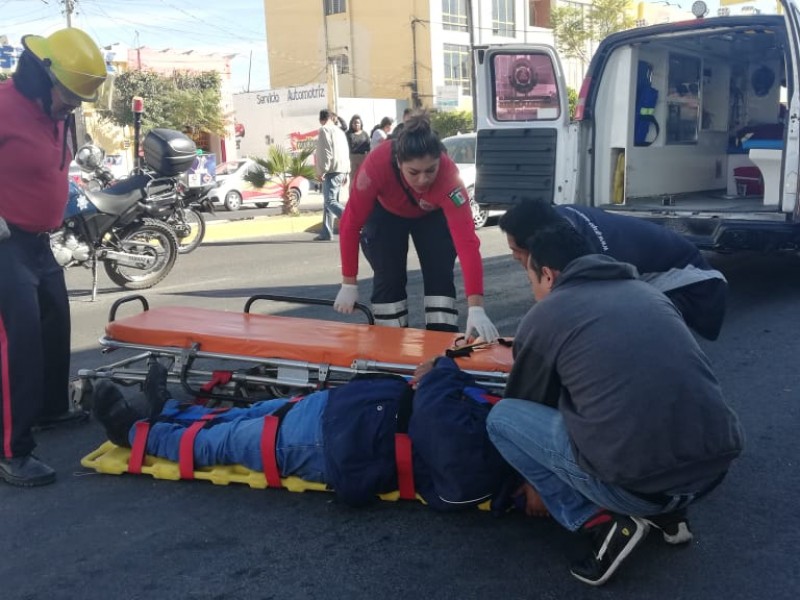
{"x": 26, "y": 471}
{"x": 155, "y": 388}
{"x": 116, "y": 413}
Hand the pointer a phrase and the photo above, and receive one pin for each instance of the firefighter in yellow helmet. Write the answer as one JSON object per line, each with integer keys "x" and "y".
{"x": 54, "y": 75}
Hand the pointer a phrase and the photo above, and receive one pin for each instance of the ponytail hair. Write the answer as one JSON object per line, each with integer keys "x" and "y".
{"x": 417, "y": 139}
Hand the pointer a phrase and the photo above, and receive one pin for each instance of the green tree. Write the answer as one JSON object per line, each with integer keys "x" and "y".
{"x": 186, "y": 102}
{"x": 572, "y": 97}
{"x": 574, "y": 28}
{"x": 284, "y": 166}
{"x": 3, "y": 76}
{"x": 446, "y": 124}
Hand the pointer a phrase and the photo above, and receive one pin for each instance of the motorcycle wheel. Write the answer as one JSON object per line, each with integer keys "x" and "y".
{"x": 151, "y": 238}
{"x": 190, "y": 229}
{"x": 479, "y": 215}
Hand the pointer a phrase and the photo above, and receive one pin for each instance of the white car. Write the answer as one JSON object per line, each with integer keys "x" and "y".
{"x": 233, "y": 190}
{"x": 461, "y": 148}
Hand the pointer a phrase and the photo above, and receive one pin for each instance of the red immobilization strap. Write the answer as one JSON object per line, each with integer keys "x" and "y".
{"x": 269, "y": 435}
{"x": 405, "y": 471}
{"x": 217, "y": 378}
{"x": 491, "y": 398}
{"x": 186, "y": 446}
{"x": 136, "y": 459}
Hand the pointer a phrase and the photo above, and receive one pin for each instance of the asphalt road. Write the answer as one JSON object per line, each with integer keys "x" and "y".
{"x": 101, "y": 536}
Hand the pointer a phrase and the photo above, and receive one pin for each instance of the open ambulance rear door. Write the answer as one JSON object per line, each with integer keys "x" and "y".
{"x": 789, "y": 201}
{"x": 522, "y": 115}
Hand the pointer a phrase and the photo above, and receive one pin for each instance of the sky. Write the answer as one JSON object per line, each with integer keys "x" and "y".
{"x": 223, "y": 26}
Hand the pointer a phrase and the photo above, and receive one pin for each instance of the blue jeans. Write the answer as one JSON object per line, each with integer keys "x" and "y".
{"x": 331, "y": 184}
{"x": 236, "y": 436}
{"x": 533, "y": 439}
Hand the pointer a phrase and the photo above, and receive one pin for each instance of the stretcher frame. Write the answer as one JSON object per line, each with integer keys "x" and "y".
{"x": 265, "y": 374}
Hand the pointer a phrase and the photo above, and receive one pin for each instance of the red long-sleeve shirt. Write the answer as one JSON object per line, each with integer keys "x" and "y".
{"x": 33, "y": 191}
{"x": 376, "y": 181}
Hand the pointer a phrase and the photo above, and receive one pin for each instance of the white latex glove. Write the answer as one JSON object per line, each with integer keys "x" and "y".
{"x": 478, "y": 322}
{"x": 346, "y": 298}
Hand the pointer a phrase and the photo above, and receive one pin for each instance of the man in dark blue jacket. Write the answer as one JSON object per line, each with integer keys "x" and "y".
{"x": 612, "y": 412}
{"x": 664, "y": 259}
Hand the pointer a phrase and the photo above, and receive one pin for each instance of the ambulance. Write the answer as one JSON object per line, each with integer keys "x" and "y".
{"x": 694, "y": 125}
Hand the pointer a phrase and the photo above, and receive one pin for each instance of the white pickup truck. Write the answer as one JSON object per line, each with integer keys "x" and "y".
{"x": 694, "y": 125}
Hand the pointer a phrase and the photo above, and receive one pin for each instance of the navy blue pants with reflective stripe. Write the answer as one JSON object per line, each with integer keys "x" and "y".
{"x": 384, "y": 241}
{"x": 34, "y": 339}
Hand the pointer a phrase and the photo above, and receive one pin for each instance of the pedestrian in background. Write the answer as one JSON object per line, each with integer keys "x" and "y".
{"x": 407, "y": 112}
{"x": 359, "y": 143}
{"x": 381, "y": 132}
{"x": 54, "y": 75}
{"x": 409, "y": 187}
{"x": 332, "y": 162}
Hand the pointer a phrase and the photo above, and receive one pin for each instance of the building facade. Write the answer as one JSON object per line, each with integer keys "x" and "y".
{"x": 417, "y": 50}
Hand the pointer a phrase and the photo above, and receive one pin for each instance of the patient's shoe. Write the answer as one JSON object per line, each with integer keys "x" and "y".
{"x": 116, "y": 413}
{"x": 155, "y": 388}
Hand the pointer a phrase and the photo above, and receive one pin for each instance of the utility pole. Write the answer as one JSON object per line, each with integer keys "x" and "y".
{"x": 415, "y": 102}
{"x": 69, "y": 8}
{"x": 333, "y": 86}
{"x": 472, "y": 70}
{"x": 77, "y": 116}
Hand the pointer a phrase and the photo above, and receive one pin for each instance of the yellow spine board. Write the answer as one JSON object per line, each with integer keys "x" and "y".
{"x": 113, "y": 460}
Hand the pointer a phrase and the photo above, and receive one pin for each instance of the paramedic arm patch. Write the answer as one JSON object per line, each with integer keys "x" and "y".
{"x": 457, "y": 197}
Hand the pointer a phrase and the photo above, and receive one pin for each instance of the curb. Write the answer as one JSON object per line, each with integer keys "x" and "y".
{"x": 220, "y": 231}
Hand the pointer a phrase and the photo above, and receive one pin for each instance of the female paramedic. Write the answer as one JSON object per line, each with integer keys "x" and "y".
{"x": 411, "y": 187}
{"x": 54, "y": 76}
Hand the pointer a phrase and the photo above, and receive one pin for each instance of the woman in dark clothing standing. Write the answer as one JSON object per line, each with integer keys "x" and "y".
{"x": 358, "y": 139}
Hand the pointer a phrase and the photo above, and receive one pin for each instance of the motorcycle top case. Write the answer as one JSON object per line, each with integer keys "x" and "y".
{"x": 168, "y": 152}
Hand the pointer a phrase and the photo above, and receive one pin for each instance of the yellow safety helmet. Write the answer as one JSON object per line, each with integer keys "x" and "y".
{"x": 73, "y": 61}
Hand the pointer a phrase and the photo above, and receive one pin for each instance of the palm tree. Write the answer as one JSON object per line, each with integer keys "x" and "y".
{"x": 284, "y": 165}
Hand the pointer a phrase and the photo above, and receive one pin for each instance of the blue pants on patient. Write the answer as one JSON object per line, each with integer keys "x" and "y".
{"x": 235, "y": 436}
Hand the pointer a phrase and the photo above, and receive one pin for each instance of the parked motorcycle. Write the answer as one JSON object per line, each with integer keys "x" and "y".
{"x": 186, "y": 217}
{"x": 114, "y": 226}
{"x": 171, "y": 200}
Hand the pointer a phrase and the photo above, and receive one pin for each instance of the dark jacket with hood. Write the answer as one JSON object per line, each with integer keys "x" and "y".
{"x": 640, "y": 402}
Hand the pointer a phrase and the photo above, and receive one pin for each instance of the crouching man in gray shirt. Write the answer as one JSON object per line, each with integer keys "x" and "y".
{"x": 612, "y": 412}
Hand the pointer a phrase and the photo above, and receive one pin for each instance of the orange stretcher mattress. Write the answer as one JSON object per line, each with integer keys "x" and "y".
{"x": 293, "y": 338}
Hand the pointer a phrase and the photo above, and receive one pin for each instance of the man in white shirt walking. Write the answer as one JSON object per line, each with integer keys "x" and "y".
{"x": 332, "y": 161}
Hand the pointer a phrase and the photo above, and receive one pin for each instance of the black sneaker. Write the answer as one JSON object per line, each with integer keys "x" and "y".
{"x": 613, "y": 539}
{"x": 674, "y": 526}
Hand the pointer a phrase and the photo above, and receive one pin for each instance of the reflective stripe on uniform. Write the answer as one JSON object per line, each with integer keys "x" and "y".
{"x": 391, "y": 314}
{"x": 440, "y": 310}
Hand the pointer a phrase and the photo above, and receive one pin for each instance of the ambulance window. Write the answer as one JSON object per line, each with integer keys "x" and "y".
{"x": 683, "y": 99}
{"x": 525, "y": 88}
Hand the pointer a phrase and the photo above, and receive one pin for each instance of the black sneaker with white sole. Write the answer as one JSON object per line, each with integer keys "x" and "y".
{"x": 674, "y": 526}
{"x": 613, "y": 538}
